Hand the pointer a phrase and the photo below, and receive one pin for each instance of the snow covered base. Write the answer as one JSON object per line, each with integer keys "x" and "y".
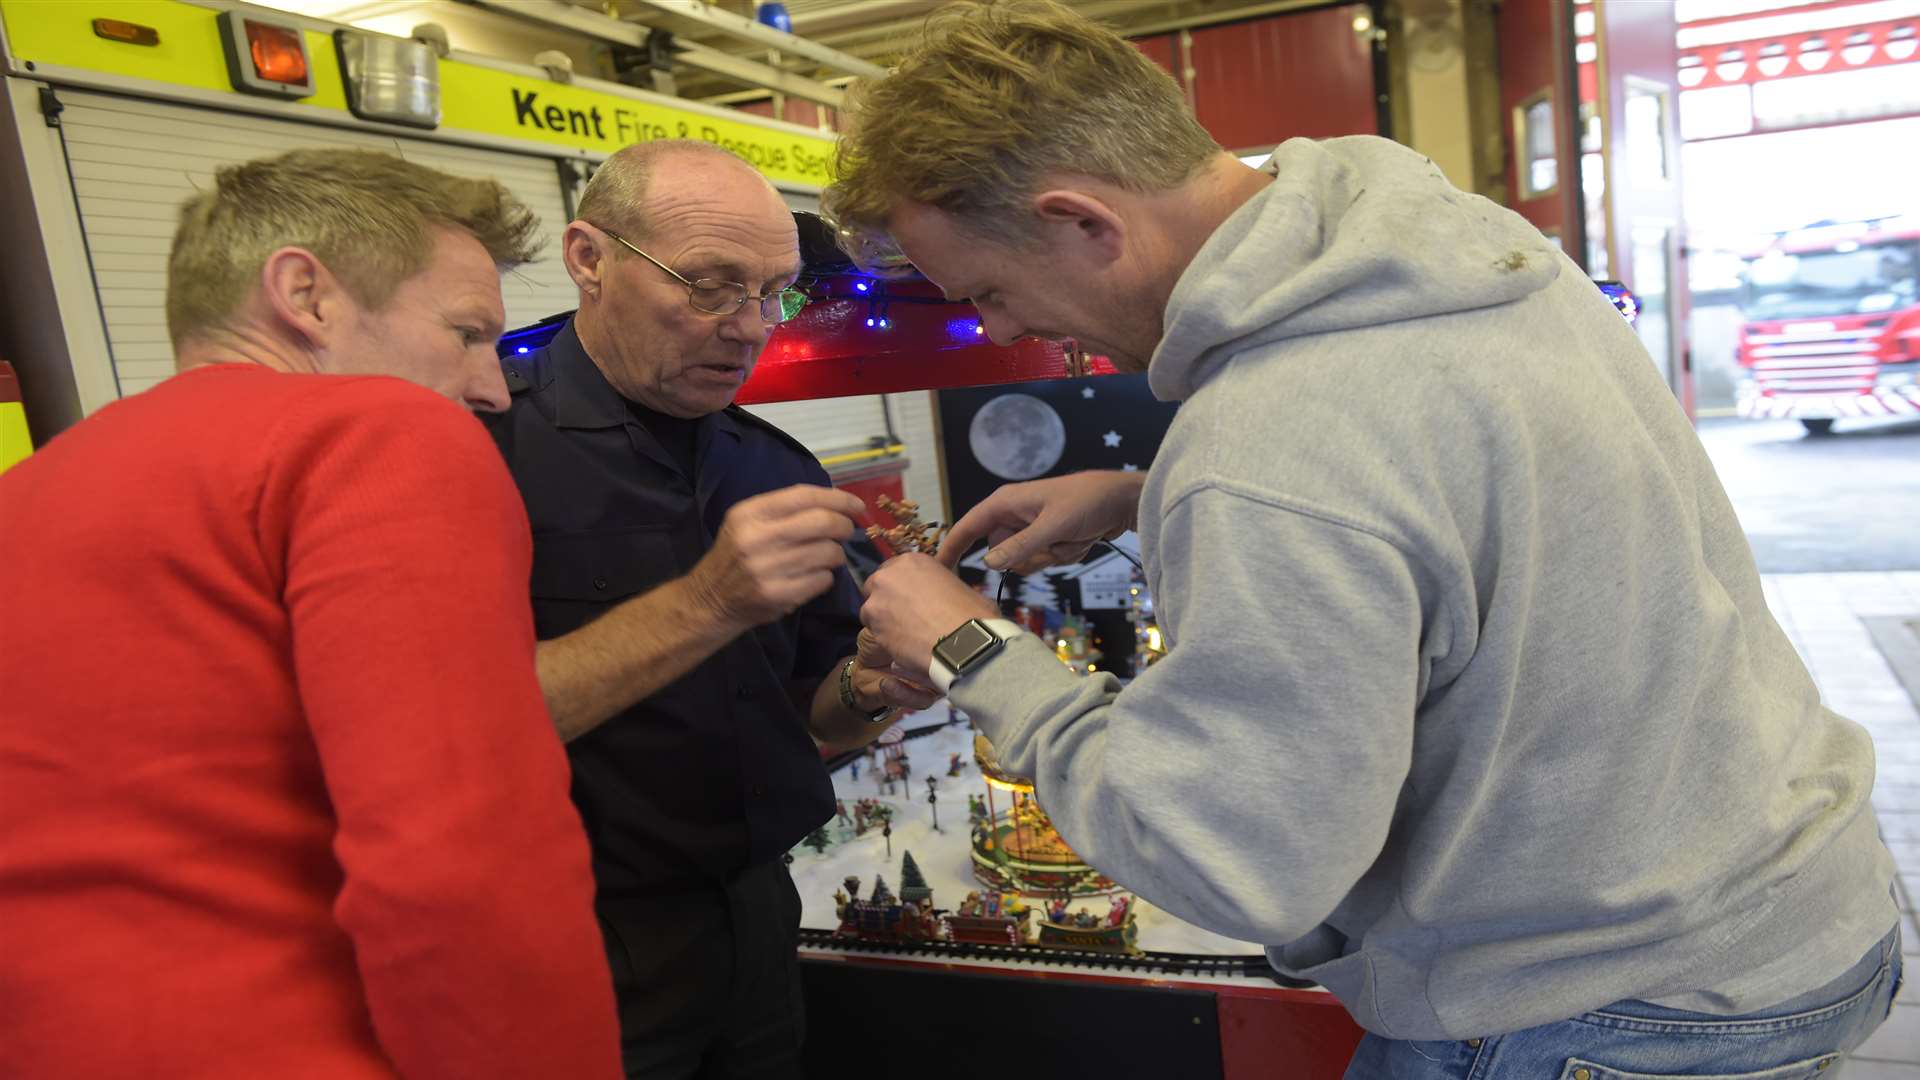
{"x": 944, "y": 856}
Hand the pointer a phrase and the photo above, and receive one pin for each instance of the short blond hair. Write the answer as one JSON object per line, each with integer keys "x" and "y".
{"x": 999, "y": 96}
{"x": 369, "y": 217}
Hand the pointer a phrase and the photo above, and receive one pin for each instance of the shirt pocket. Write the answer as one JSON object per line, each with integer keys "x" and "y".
{"x": 604, "y": 566}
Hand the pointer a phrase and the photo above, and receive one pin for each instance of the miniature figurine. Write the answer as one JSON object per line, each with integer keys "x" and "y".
{"x": 1118, "y": 909}
{"x": 910, "y": 534}
{"x": 954, "y": 764}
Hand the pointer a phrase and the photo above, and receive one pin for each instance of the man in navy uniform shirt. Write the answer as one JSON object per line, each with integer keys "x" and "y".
{"x": 697, "y": 622}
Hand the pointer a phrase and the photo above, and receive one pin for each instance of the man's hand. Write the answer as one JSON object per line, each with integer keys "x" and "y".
{"x": 1049, "y": 522}
{"x": 913, "y": 602}
{"x": 878, "y": 683}
{"x": 775, "y": 552}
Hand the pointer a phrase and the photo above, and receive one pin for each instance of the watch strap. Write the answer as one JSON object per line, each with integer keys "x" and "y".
{"x": 944, "y": 676}
{"x": 851, "y": 703}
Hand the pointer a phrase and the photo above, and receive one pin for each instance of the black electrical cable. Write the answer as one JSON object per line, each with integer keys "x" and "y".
{"x": 1000, "y": 597}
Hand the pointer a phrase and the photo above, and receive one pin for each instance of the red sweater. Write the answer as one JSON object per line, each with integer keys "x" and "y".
{"x": 279, "y": 796}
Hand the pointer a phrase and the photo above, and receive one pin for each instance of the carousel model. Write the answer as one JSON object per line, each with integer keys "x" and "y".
{"x": 1019, "y": 851}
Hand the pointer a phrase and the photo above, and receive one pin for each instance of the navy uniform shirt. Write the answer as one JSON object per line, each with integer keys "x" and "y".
{"x": 717, "y": 771}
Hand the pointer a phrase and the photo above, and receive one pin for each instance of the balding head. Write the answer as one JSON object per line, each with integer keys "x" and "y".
{"x": 700, "y": 214}
{"x": 617, "y": 197}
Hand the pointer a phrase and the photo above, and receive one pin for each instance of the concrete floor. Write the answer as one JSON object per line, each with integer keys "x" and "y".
{"x": 1849, "y": 501}
{"x": 1824, "y": 616}
{"x": 1835, "y": 527}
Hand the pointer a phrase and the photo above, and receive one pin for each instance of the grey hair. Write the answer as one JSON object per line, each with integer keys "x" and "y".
{"x": 616, "y": 196}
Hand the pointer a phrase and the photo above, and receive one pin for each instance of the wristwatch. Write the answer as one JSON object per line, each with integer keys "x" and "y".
{"x": 847, "y": 698}
{"x": 968, "y": 647}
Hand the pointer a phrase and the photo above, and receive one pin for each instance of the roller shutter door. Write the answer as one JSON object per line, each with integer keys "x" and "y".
{"x": 133, "y": 162}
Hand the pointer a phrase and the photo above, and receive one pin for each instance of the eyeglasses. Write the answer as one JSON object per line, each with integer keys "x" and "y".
{"x": 711, "y": 296}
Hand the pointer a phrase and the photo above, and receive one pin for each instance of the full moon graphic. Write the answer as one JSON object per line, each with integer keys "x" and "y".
{"x": 1017, "y": 437}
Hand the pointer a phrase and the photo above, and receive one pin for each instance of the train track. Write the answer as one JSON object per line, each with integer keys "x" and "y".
{"x": 1146, "y": 963}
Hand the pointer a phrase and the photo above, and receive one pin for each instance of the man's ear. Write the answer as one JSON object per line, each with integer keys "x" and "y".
{"x": 1086, "y": 223}
{"x": 304, "y": 296}
{"x": 583, "y": 250}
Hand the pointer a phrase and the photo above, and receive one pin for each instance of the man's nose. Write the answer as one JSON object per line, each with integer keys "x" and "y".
{"x": 747, "y": 325}
{"x": 486, "y": 390}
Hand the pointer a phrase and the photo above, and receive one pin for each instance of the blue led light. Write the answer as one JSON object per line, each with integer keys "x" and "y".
{"x": 869, "y": 320}
{"x": 523, "y": 348}
{"x": 862, "y": 286}
{"x": 979, "y": 329}
{"x": 884, "y": 324}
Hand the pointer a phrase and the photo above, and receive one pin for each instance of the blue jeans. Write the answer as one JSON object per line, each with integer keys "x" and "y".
{"x": 1632, "y": 1040}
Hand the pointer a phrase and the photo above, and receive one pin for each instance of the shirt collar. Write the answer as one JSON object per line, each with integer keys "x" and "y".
{"x": 582, "y": 396}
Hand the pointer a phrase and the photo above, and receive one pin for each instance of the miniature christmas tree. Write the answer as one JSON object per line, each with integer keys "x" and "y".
{"x": 913, "y": 887}
{"x": 881, "y": 894}
{"x": 817, "y": 840}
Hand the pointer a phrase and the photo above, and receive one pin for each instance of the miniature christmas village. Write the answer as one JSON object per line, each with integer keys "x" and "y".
{"x": 1014, "y": 858}
{"x": 977, "y": 835}
{"x": 989, "y": 918}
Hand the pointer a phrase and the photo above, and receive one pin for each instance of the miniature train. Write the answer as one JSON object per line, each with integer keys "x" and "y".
{"x": 989, "y": 920}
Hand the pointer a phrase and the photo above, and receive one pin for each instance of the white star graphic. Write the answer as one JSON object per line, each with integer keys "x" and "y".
{"x": 1086, "y": 391}
{"x": 1129, "y": 468}
{"x": 1112, "y": 438}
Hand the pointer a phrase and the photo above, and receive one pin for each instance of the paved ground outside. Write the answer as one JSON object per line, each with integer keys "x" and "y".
{"x": 1849, "y": 501}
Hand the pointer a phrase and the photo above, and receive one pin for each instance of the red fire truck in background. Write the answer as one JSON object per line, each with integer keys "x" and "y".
{"x": 1831, "y": 324}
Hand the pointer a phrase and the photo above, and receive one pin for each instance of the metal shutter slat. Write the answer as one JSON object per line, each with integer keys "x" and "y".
{"x": 133, "y": 162}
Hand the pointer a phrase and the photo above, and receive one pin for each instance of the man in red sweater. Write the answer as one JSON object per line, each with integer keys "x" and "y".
{"x": 281, "y": 795}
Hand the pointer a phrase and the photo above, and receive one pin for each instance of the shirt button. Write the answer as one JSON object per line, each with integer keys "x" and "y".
{"x": 600, "y": 583}
{"x": 759, "y": 791}
{"x": 1475, "y": 1043}
{"x": 1582, "y": 1074}
{"x": 745, "y": 693}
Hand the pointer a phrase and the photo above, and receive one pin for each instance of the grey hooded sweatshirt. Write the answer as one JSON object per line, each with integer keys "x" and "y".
{"x": 1473, "y": 710}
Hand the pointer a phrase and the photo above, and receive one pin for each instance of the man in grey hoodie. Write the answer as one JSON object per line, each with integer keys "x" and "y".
{"x": 1473, "y": 710}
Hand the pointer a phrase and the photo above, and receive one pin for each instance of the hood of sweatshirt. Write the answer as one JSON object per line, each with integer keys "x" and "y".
{"x": 1352, "y": 232}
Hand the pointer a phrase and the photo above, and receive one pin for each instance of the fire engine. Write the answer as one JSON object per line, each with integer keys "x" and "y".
{"x": 1831, "y": 324}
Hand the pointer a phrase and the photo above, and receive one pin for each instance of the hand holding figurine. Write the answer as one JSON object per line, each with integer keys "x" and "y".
{"x": 913, "y": 602}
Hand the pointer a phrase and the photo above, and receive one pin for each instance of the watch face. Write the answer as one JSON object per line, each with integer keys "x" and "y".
{"x": 965, "y": 645}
